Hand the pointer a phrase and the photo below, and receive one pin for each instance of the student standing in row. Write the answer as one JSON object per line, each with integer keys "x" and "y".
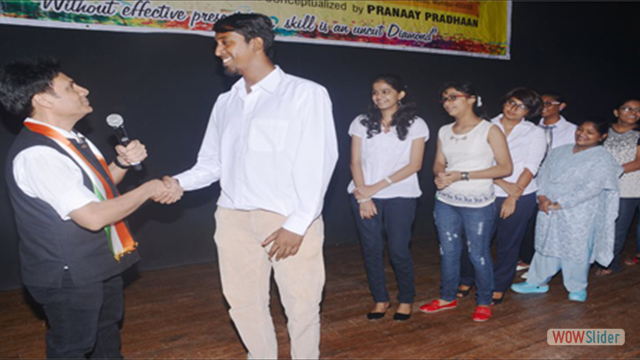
{"x": 471, "y": 153}
{"x": 557, "y": 132}
{"x": 578, "y": 199}
{"x": 387, "y": 148}
{"x": 516, "y": 194}
{"x": 623, "y": 142}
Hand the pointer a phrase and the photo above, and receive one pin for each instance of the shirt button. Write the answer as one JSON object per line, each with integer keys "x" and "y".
{"x": 66, "y": 267}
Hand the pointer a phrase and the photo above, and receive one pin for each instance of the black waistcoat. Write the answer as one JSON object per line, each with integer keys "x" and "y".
{"x": 48, "y": 244}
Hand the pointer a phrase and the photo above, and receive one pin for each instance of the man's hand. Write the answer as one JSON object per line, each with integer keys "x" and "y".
{"x": 172, "y": 191}
{"x": 134, "y": 153}
{"x": 285, "y": 244}
{"x": 156, "y": 188}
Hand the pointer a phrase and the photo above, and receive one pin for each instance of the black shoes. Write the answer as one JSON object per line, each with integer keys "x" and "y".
{"x": 401, "y": 317}
{"x": 376, "y": 315}
{"x": 397, "y": 316}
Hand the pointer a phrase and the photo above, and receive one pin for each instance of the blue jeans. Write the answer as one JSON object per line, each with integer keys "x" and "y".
{"x": 627, "y": 210}
{"x": 509, "y": 234}
{"x": 476, "y": 224}
{"x": 395, "y": 217}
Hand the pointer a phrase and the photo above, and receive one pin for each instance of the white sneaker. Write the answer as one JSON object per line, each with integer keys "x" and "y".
{"x": 522, "y": 266}
{"x": 525, "y": 275}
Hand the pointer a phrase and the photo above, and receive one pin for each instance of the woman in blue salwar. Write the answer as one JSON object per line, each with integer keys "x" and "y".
{"x": 578, "y": 201}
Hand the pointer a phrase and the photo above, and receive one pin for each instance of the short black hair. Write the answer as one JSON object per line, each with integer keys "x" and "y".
{"x": 250, "y": 26}
{"x": 556, "y": 96}
{"x": 626, "y": 101}
{"x": 529, "y": 98}
{"x": 21, "y": 80}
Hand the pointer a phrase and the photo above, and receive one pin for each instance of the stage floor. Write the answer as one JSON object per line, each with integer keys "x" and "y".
{"x": 180, "y": 313}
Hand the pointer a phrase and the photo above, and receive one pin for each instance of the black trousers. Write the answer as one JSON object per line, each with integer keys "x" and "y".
{"x": 527, "y": 249}
{"x": 83, "y": 320}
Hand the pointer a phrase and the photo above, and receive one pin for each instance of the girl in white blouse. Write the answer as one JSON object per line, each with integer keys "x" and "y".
{"x": 387, "y": 148}
{"x": 516, "y": 194}
{"x": 471, "y": 153}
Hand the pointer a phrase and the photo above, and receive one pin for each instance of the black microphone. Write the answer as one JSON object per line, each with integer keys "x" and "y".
{"x": 117, "y": 123}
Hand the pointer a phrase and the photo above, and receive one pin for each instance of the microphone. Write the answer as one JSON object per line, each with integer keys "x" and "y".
{"x": 117, "y": 123}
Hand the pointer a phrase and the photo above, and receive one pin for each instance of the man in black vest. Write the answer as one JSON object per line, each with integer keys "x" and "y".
{"x": 73, "y": 242}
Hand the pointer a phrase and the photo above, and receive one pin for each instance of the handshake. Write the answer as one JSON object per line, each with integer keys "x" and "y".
{"x": 165, "y": 191}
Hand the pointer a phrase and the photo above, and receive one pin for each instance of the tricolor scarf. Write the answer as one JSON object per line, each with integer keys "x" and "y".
{"x": 120, "y": 240}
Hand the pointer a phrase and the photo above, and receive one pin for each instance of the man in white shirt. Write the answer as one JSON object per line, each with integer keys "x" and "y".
{"x": 271, "y": 143}
{"x": 558, "y": 131}
{"x": 73, "y": 242}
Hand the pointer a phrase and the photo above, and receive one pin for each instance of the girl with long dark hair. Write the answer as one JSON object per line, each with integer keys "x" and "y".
{"x": 387, "y": 148}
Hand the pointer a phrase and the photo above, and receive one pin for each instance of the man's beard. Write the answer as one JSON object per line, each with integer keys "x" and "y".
{"x": 232, "y": 72}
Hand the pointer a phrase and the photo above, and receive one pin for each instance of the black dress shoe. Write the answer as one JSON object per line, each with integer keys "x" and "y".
{"x": 376, "y": 315}
{"x": 401, "y": 317}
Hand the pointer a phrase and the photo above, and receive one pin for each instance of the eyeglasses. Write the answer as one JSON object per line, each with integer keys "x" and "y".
{"x": 519, "y": 106}
{"x": 453, "y": 97}
{"x": 630, "y": 109}
{"x": 548, "y": 103}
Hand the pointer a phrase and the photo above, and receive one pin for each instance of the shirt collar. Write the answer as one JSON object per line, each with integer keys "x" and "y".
{"x": 269, "y": 83}
{"x": 496, "y": 121}
{"x": 559, "y": 124}
{"x": 69, "y": 135}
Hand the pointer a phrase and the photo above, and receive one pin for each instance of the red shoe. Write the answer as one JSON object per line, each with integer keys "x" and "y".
{"x": 434, "y": 306}
{"x": 482, "y": 313}
{"x": 634, "y": 260}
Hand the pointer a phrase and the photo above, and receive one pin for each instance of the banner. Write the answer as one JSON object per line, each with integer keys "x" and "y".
{"x": 469, "y": 28}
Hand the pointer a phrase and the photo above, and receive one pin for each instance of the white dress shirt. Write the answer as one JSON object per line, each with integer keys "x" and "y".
{"x": 43, "y": 173}
{"x": 562, "y": 132}
{"x": 384, "y": 154}
{"x": 527, "y": 146}
{"x": 273, "y": 149}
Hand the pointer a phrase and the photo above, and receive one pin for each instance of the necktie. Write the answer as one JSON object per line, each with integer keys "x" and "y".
{"x": 548, "y": 135}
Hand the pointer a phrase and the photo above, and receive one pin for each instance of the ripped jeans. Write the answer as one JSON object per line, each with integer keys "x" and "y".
{"x": 455, "y": 223}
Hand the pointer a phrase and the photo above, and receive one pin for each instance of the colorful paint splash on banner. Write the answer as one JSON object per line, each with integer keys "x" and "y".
{"x": 469, "y": 28}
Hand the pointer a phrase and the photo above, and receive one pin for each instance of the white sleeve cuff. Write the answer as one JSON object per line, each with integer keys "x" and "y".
{"x": 297, "y": 224}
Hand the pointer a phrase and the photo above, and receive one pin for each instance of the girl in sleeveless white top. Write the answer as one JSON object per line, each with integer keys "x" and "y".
{"x": 471, "y": 153}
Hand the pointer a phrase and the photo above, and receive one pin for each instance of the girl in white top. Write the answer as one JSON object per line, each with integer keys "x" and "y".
{"x": 471, "y": 153}
{"x": 387, "y": 148}
{"x": 623, "y": 142}
{"x": 515, "y": 194}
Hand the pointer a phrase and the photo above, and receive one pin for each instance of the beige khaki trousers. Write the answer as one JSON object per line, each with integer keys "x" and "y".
{"x": 245, "y": 271}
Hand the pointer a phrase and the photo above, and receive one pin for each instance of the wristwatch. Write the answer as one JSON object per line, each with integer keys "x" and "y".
{"x": 120, "y": 165}
{"x": 464, "y": 176}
